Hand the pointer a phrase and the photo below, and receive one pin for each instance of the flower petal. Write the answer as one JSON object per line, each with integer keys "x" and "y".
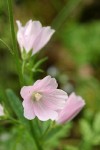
{"x": 28, "y": 28}
{"x": 19, "y": 24}
{"x": 36, "y": 28}
{"x": 31, "y": 33}
{"x": 55, "y": 100}
{"x": 46, "y": 84}
{"x": 20, "y": 35}
{"x": 28, "y": 109}
{"x": 43, "y": 112}
{"x": 26, "y": 92}
{"x": 73, "y": 106}
{"x": 42, "y": 38}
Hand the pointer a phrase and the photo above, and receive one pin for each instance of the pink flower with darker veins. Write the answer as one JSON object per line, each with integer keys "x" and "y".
{"x": 33, "y": 36}
{"x": 73, "y": 106}
{"x": 43, "y": 99}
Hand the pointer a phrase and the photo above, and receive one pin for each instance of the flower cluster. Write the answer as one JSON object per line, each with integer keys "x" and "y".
{"x": 43, "y": 99}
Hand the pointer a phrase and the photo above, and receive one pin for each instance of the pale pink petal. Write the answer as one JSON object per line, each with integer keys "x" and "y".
{"x": 23, "y": 35}
{"x": 28, "y": 28}
{"x": 46, "y": 84}
{"x": 26, "y": 92}
{"x": 55, "y": 100}
{"x": 20, "y": 35}
{"x": 19, "y": 24}
{"x": 73, "y": 106}
{"x": 43, "y": 112}
{"x": 28, "y": 109}
{"x": 36, "y": 29}
{"x": 1, "y": 110}
{"x": 31, "y": 32}
{"x": 42, "y": 39}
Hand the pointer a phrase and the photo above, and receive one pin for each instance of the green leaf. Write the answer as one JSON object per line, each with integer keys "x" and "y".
{"x": 96, "y": 140}
{"x": 86, "y": 131}
{"x": 16, "y": 105}
{"x": 41, "y": 61}
{"x": 53, "y": 137}
{"x": 69, "y": 147}
{"x": 96, "y": 123}
{"x": 18, "y": 109}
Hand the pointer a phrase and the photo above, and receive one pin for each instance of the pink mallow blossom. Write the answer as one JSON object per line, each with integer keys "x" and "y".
{"x": 73, "y": 106}
{"x": 1, "y": 110}
{"x": 33, "y": 36}
{"x": 43, "y": 99}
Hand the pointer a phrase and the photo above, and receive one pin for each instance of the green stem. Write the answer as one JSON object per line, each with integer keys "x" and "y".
{"x": 7, "y": 46}
{"x": 13, "y": 120}
{"x": 48, "y": 129}
{"x": 23, "y": 66}
{"x": 14, "y": 41}
{"x": 39, "y": 147}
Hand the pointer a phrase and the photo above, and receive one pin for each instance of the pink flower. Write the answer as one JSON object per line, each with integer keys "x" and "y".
{"x": 1, "y": 110}
{"x": 43, "y": 99}
{"x": 33, "y": 36}
{"x": 73, "y": 106}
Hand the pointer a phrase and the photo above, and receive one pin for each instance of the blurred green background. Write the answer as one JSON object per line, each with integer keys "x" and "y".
{"x": 74, "y": 59}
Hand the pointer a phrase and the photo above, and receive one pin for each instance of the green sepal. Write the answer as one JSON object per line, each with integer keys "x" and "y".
{"x": 37, "y": 65}
{"x": 25, "y": 55}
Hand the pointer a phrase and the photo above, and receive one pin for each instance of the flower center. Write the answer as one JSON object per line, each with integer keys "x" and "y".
{"x": 36, "y": 96}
